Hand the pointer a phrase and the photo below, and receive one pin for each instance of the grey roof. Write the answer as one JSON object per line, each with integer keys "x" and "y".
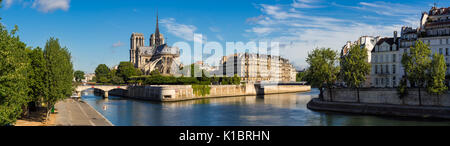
{"x": 146, "y": 50}
{"x": 167, "y": 50}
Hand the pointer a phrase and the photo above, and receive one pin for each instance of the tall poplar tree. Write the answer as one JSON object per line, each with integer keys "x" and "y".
{"x": 437, "y": 71}
{"x": 13, "y": 76}
{"x": 355, "y": 67}
{"x": 37, "y": 76}
{"x": 416, "y": 64}
{"x": 59, "y": 72}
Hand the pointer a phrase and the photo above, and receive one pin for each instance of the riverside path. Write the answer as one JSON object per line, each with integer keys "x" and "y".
{"x": 75, "y": 113}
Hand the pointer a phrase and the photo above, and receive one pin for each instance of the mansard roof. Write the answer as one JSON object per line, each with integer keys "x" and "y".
{"x": 389, "y": 41}
{"x": 439, "y": 11}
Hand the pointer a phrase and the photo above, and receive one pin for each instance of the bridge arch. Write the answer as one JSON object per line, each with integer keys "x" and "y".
{"x": 104, "y": 88}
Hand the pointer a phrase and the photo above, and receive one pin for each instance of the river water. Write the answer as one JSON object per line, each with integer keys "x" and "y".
{"x": 269, "y": 110}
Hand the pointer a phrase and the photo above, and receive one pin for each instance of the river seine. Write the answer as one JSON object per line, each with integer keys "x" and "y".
{"x": 269, "y": 110}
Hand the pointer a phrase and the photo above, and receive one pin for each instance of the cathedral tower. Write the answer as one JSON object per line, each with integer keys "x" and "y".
{"x": 137, "y": 40}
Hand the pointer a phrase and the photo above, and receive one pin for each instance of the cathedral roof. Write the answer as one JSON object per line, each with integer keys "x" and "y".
{"x": 145, "y": 50}
{"x": 167, "y": 50}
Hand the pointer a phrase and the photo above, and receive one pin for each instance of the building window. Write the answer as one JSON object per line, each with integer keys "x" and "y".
{"x": 387, "y": 68}
{"x": 387, "y": 81}
{"x": 394, "y": 57}
{"x": 393, "y": 69}
{"x": 446, "y": 51}
{"x": 440, "y": 51}
{"x": 394, "y": 81}
{"x": 376, "y": 69}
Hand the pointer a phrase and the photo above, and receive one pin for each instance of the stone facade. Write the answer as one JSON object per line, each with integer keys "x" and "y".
{"x": 388, "y": 96}
{"x": 157, "y": 56}
{"x": 257, "y": 68}
{"x": 386, "y": 63}
{"x": 185, "y": 92}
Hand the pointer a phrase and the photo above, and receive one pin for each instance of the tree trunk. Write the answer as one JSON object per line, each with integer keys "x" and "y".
{"x": 331, "y": 94}
{"x": 357, "y": 90}
{"x": 420, "y": 98}
{"x": 321, "y": 94}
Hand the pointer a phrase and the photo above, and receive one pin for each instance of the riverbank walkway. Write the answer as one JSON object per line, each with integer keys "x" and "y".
{"x": 71, "y": 112}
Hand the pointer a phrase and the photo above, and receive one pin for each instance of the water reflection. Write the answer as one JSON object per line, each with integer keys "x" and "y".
{"x": 277, "y": 110}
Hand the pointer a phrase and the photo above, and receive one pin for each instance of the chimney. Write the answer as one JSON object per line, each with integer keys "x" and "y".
{"x": 395, "y": 36}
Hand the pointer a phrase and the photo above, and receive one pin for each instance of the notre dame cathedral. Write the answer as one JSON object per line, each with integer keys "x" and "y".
{"x": 157, "y": 56}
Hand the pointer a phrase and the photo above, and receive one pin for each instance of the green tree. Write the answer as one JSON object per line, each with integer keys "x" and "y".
{"x": 59, "y": 72}
{"x": 192, "y": 70}
{"x": 300, "y": 76}
{"x": 79, "y": 75}
{"x": 355, "y": 67}
{"x": 13, "y": 76}
{"x": 102, "y": 73}
{"x": 322, "y": 71}
{"x": 126, "y": 70}
{"x": 37, "y": 77}
{"x": 236, "y": 79}
{"x": 437, "y": 71}
{"x": 416, "y": 64}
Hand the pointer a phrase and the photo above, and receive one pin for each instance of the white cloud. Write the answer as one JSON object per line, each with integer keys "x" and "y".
{"x": 183, "y": 31}
{"x": 51, "y": 5}
{"x": 220, "y": 37}
{"x": 214, "y": 29}
{"x": 261, "y": 30}
{"x": 299, "y": 34}
{"x": 385, "y": 8}
{"x": 41, "y": 5}
{"x": 117, "y": 44}
{"x": 8, "y": 3}
{"x": 305, "y": 4}
{"x": 277, "y": 12}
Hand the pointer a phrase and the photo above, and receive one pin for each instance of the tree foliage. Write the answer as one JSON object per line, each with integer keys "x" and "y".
{"x": 126, "y": 70}
{"x": 102, "y": 73}
{"x": 13, "y": 76}
{"x": 79, "y": 75}
{"x": 322, "y": 69}
{"x": 37, "y": 75}
{"x": 416, "y": 63}
{"x": 59, "y": 72}
{"x": 355, "y": 66}
{"x": 300, "y": 76}
{"x": 437, "y": 71}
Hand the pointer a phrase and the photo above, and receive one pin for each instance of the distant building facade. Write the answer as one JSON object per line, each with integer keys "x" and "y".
{"x": 157, "y": 56}
{"x": 257, "y": 68}
{"x": 386, "y": 62}
{"x": 434, "y": 30}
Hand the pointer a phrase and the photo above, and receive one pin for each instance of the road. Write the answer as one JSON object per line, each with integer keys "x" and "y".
{"x": 75, "y": 113}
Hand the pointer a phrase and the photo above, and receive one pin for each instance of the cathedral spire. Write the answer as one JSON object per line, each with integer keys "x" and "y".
{"x": 157, "y": 23}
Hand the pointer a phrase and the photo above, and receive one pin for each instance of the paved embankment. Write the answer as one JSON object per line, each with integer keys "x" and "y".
{"x": 76, "y": 113}
{"x": 381, "y": 109}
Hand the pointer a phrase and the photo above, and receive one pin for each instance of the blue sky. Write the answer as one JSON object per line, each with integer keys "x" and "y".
{"x": 98, "y": 31}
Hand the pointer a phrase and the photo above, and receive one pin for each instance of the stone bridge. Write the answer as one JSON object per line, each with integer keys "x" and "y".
{"x": 105, "y": 88}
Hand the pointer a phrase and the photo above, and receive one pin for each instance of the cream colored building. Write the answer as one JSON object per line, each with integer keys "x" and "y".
{"x": 257, "y": 68}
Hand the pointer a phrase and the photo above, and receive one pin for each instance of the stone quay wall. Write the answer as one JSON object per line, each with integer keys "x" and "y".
{"x": 186, "y": 92}
{"x": 386, "y": 96}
